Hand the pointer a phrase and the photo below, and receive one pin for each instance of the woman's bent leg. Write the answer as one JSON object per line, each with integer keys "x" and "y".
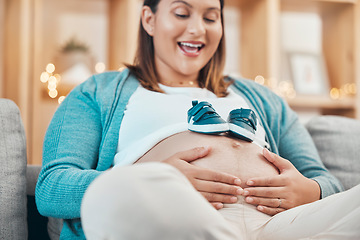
{"x": 334, "y": 217}
{"x": 149, "y": 201}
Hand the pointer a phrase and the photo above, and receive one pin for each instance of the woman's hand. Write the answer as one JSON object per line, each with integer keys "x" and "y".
{"x": 217, "y": 187}
{"x": 278, "y": 193}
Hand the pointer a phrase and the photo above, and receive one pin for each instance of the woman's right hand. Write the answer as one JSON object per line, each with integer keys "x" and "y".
{"x": 217, "y": 187}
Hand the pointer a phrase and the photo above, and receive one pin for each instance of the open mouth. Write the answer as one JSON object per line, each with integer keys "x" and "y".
{"x": 190, "y": 48}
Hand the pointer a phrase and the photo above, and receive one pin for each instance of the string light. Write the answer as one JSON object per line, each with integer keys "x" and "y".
{"x": 44, "y": 77}
{"x": 53, "y": 93}
{"x": 286, "y": 89}
{"x": 51, "y": 79}
{"x": 61, "y": 99}
{"x": 100, "y": 67}
{"x": 335, "y": 93}
{"x": 58, "y": 77}
{"x": 260, "y": 80}
{"x": 347, "y": 90}
{"x": 50, "y": 68}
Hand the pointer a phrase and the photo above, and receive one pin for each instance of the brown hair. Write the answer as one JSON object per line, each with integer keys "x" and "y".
{"x": 210, "y": 76}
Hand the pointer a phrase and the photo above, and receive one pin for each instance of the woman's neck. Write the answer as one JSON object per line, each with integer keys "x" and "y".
{"x": 184, "y": 83}
{"x": 174, "y": 79}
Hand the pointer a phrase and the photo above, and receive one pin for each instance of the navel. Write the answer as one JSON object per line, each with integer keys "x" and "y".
{"x": 236, "y": 144}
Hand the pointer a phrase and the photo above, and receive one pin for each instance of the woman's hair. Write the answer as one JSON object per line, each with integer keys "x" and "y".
{"x": 210, "y": 76}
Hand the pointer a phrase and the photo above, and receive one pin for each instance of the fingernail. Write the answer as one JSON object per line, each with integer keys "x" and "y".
{"x": 250, "y": 182}
{"x": 219, "y": 206}
{"x": 239, "y": 191}
{"x": 237, "y": 181}
{"x": 260, "y": 208}
{"x": 233, "y": 199}
{"x": 246, "y": 192}
{"x": 249, "y": 199}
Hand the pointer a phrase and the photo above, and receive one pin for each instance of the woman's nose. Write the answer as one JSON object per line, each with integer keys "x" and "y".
{"x": 196, "y": 26}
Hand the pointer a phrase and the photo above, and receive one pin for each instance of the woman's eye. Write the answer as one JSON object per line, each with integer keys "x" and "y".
{"x": 209, "y": 20}
{"x": 182, "y": 15}
{"x": 211, "y": 17}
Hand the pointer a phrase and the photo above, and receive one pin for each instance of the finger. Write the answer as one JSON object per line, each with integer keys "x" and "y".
{"x": 272, "y": 181}
{"x": 217, "y": 187}
{"x": 267, "y": 192}
{"x": 268, "y": 202}
{"x": 279, "y": 162}
{"x": 194, "y": 153}
{"x": 210, "y": 175}
{"x": 269, "y": 211}
{"x": 217, "y": 205}
{"x": 216, "y": 197}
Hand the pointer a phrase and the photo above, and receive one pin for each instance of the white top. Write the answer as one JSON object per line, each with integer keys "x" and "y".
{"x": 150, "y": 117}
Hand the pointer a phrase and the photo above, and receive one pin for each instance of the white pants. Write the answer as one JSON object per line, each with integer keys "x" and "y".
{"x": 154, "y": 201}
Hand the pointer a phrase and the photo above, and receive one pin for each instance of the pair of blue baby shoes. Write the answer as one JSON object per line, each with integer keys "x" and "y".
{"x": 241, "y": 123}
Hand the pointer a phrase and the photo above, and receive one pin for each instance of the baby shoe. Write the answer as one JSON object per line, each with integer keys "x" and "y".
{"x": 242, "y": 124}
{"x": 203, "y": 118}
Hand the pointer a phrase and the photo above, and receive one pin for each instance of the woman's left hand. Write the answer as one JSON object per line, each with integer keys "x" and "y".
{"x": 275, "y": 194}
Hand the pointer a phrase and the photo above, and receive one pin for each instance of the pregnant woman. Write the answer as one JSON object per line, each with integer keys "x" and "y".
{"x": 120, "y": 163}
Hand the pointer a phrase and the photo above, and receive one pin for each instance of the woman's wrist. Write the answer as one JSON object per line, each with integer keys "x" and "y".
{"x": 315, "y": 190}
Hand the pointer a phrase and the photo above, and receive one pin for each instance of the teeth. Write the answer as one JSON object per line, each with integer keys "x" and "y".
{"x": 191, "y": 45}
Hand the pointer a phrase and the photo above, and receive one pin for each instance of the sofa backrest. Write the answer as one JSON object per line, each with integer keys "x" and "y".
{"x": 13, "y": 222}
{"x": 338, "y": 142}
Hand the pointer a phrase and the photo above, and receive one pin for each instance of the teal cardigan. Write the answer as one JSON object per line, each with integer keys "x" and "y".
{"x": 82, "y": 138}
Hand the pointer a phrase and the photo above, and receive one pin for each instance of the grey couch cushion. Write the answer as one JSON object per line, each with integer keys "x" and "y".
{"x": 13, "y": 224}
{"x": 32, "y": 174}
{"x": 338, "y": 142}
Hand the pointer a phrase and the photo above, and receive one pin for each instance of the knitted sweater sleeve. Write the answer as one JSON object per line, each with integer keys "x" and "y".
{"x": 296, "y": 145}
{"x": 70, "y": 154}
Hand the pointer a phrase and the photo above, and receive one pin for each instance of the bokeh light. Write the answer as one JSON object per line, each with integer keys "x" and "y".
{"x": 50, "y": 68}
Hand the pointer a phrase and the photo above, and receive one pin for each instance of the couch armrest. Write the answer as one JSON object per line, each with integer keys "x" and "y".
{"x": 12, "y": 173}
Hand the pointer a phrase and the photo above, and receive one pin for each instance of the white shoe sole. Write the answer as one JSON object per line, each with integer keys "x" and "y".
{"x": 210, "y": 128}
{"x": 241, "y": 131}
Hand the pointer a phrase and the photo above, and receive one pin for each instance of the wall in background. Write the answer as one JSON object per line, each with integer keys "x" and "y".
{"x": 299, "y": 32}
{"x": 2, "y": 32}
{"x": 34, "y": 32}
{"x": 56, "y": 23}
{"x": 232, "y": 20}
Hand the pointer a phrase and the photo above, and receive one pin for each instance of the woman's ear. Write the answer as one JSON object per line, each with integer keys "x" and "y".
{"x": 148, "y": 20}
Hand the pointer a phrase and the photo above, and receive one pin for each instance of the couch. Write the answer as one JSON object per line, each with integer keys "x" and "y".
{"x": 336, "y": 138}
{"x": 19, "y": 218}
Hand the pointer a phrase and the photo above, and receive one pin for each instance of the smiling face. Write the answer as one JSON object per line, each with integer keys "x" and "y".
{"x": 186, "y": 34}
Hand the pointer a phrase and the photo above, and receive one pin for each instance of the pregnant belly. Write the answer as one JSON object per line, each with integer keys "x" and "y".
{"x": 229, "y": 155}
